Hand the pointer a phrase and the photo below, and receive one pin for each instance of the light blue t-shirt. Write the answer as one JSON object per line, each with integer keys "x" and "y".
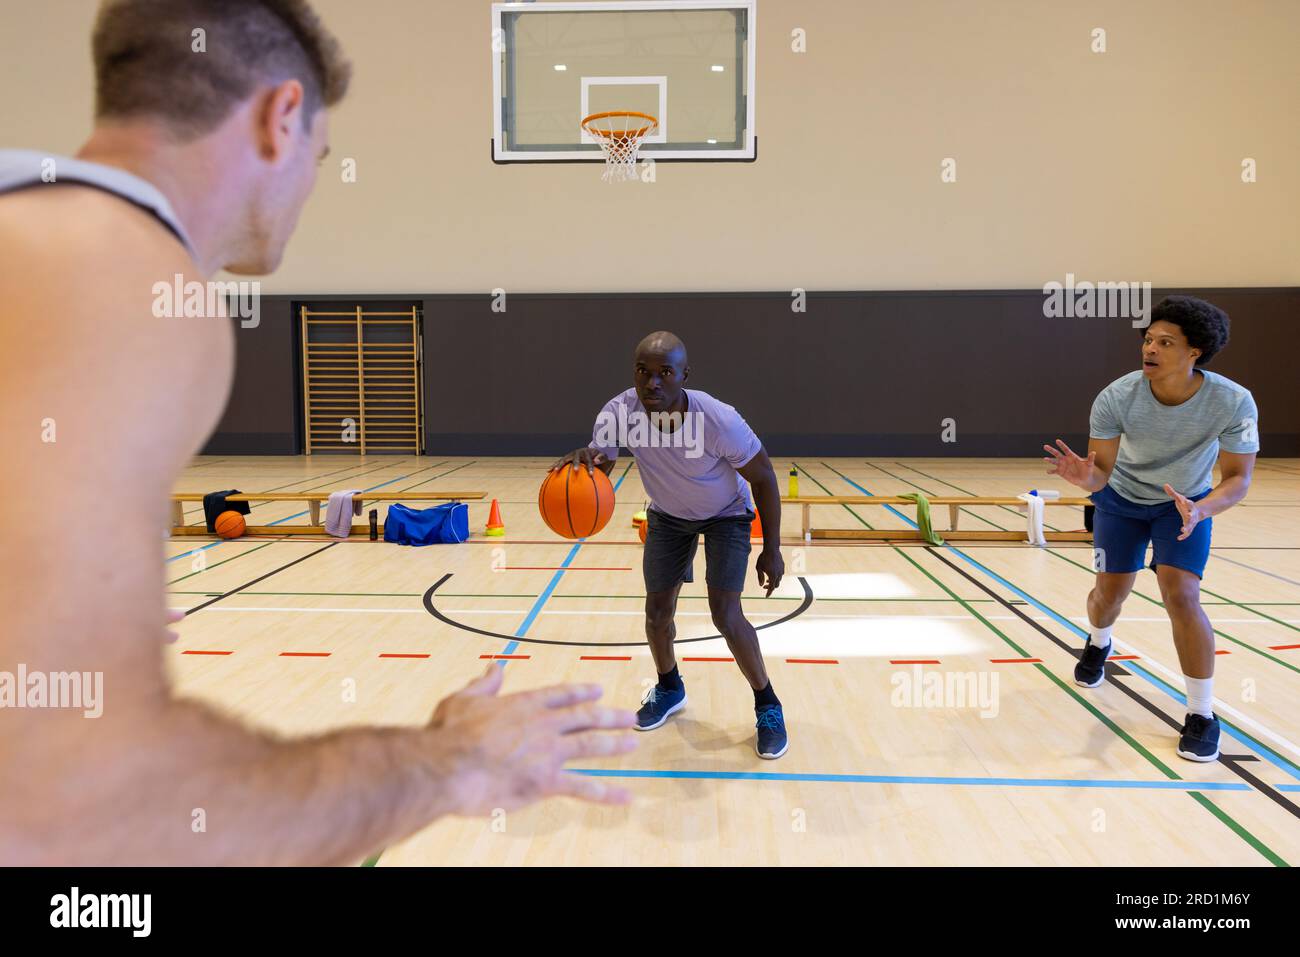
{"x": 689, "y": 471}
{"x": 1174, "y": 444}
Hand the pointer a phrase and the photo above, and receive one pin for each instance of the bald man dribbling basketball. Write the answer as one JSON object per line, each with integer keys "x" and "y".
{"x": 695, "y": 455}
{"x": 196, "y": 164}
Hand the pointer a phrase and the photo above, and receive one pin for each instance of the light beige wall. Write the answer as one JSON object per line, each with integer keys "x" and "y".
{"x": 1123, "y": 165}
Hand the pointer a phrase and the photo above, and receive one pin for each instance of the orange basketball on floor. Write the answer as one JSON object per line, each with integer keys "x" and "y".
{"x": 229, "y": 525}
{"x": 575, "y": 503}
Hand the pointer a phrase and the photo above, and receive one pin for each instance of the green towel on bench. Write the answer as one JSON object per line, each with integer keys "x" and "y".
{"x": 923, "y": 517}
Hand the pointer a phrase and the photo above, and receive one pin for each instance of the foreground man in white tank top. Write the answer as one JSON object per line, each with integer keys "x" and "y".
{"x": 198, "y": 162}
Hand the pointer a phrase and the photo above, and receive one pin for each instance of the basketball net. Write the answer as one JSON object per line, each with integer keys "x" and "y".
{"x": 620, "y": 136}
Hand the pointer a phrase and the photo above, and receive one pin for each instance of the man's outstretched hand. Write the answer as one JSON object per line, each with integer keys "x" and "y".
{"x": 1069, "y": 466}
{"x": 1189, "y": 510}
{"x": 509, "y": 751}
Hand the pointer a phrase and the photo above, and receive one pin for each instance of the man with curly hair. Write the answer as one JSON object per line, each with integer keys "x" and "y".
{"x": 1155, "y": 435}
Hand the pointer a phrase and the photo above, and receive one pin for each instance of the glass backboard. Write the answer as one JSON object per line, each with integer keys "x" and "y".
{"x": 690, "y": 63}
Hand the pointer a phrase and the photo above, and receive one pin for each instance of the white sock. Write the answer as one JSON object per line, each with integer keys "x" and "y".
{"x": 1200, "y": 696}
{"x": 1100, "y": 637}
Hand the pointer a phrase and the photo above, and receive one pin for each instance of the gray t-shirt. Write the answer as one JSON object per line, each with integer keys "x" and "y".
{"x": 1174, "y": 444}
{"x": 690, "y": 471}
{"x": 21, "y": 169}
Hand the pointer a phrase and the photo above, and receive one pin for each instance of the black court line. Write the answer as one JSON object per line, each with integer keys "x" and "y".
{"x": 1281, "y": 578}
{"x": 431, "y": 609}
{"x": 234, "y": 591}
{"x": 1113, "y": 673}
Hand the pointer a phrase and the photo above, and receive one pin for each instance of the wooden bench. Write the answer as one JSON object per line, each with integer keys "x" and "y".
{"x": 954, "y": 503}
{"x": 313, "y": 501}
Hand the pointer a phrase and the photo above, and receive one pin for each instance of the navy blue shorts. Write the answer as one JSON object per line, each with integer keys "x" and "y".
{"x": 1122, "y": 530}
{"x": 670, "y": 546}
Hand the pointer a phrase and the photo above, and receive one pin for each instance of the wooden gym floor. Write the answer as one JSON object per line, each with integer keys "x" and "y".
{"x": 983, "y": 753}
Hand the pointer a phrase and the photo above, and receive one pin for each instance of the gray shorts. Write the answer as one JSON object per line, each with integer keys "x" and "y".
{"x": 670, "y": 550}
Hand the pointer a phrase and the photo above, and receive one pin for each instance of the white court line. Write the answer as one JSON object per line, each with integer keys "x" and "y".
{"x": 700, "y": 614}
{"x": 1219, "y": 706}
{"x": 349, "y": 611}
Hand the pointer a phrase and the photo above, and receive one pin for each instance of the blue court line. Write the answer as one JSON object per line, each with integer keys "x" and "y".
{"x": 555, "y": 580}
{"x": 1255, "y": 747}
{"x": 1287, "y": 787}
{"x": 1161, "y": 785}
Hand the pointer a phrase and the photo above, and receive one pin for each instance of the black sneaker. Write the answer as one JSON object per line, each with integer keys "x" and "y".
{"x": 772, "y": 741}
{"x": 657, "y": 705}
{"x": 1200, "y": 738}
{"x": 1091, "y": 669}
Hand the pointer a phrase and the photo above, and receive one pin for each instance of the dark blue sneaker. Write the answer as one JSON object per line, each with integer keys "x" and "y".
{"x": 772, "y": 740}
{"x": 657, "y": 705}
{"x": 1090, "y": 672}
{"x": 1200, "y": 738}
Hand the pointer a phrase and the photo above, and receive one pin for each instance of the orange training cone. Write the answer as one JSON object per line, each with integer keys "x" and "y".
{"x": 756, "y": 529}
{"x": 494, "y": 524}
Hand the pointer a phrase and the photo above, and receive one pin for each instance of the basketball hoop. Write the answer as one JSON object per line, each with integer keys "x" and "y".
{"x": 620, "y": 137}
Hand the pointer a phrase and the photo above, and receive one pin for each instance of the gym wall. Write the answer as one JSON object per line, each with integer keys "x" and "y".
{"x": 865, "y": 373}
{"x": 1115, "y": 166}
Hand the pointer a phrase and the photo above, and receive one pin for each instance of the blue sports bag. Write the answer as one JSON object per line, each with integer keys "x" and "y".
{"x": 440, "y": 525}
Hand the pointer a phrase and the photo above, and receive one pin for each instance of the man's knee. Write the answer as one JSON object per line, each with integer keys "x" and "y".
{"x": 728, "y": 617}
{"x": 1181, "y": 592}
{"x": 1111, "y": 590}
{"x": 660, "y": 608}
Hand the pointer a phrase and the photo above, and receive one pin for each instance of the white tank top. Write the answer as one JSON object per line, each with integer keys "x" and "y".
{"x": 23, "y": 169}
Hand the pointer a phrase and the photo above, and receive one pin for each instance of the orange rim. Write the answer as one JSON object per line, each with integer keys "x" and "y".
{"x": 619, "y": 134}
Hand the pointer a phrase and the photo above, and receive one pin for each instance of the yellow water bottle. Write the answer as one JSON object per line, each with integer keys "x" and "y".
{"x": 794, "y": 482}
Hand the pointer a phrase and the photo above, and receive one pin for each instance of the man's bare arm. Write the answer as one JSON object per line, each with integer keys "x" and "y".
{"x": 127, "y": 398}
{"x": 1236, "y": 469}
{"x": 1091, "y": 473}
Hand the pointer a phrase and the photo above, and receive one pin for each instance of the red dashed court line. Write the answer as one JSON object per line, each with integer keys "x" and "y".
{"x": 811, "y": 661}
{"x": 402, "y": 656}
{"x": 556, "y": 568}
{"x": 1223, "y": 652}
{"x": 1282, "y": 647}
{"x": 708, "y": 659}
{"x": 605, "y": 658}
{"x": 1016, "y": 661}
{"x": 1123, "y": 657}
{"x": 505, "y": 657}
{"x": 914, "y": 661}
{"x": 305, "y": 654}
{"x": 207, "y": 652}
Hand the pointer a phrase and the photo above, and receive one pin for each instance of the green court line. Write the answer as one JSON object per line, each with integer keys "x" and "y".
{"x": 1222, "y": 815}
{"x": 232, "y": 558}
{"x": 1238, "y": 604}
{"x": 1223, "y": 598}
{"x": 1241, "y": 832}
{"x": 1241, "y": 731}
{"x": 1140, "y": 594}
{"x": 935, "y": 478}
{"x": 1222, "y": 634}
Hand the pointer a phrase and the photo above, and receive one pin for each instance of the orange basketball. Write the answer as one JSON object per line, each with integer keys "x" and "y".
{"x": 229, "y": 525}
{"x": 576, "y": 503}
